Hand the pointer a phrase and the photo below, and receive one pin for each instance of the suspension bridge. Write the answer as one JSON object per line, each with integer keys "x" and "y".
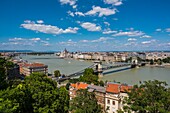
{"x": 101, "y": 69}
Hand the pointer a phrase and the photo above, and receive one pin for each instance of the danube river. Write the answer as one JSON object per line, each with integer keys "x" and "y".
{"x": 131, "y": 76}
{"x": 66, "y": 66}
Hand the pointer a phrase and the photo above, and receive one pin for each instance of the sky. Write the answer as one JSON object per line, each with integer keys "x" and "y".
{"x": 85, "y": 25}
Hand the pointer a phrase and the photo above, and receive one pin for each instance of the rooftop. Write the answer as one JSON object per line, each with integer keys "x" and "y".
{"x": 79, "y": 85}
{"x": 97, "y": 88}
{"x": 33, "y": 65}
{"x": 117, "y": 88}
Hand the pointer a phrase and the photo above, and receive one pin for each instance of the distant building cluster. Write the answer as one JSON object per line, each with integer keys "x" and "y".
{"x": 24, "y": 68}
{"x": 157, "y": 55}
{"x": 109, "y": 97}
{"x": 113, "y": 56}
{"x": 102, "y": 56}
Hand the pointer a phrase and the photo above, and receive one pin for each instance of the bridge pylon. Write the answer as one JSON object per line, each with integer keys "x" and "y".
{"x": 134, "y": 62}
{"x": 98, "y": 68}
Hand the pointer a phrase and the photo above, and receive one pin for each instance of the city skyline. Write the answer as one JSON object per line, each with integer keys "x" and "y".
{"x": 91, "y": 25}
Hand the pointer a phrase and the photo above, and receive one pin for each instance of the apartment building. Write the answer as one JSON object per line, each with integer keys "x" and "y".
{"x": 109, "y": 97}
{"x": 115, "y": 93}
{"x": 99, "y": 92}
{"x": 29, "y": 68}
{"x": 74, "y": 87}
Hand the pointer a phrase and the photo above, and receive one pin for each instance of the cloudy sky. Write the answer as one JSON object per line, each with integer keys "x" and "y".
{"x": 85, "y": 25}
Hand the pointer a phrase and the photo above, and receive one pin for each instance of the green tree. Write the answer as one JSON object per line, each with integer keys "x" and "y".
{"x": 89, "y": 77}
{"x": 4, "y": 66}
{"x": 128, "y": 59}
{"x": 37, "y": 94}
{"x": 57, "y": 73}
{"x": 151, "y": 62}
{"x": 3, "y": 82}
{"x": 74, "y": 80}
{"x": 85, "y": 102}
{"x": 101, "y": 83}
{"x": 149, "y": 97}
{"x": 159, "y": 62}
{"x": 166, "y": 60}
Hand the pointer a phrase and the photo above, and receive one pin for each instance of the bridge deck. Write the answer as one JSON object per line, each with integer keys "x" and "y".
{"x": 79, "y": 73}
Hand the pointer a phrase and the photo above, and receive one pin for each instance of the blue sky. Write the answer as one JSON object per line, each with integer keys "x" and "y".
{"x": 85, "y": 25}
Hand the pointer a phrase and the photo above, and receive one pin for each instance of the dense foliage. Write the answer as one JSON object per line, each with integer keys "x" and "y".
{"x": 36, "y": 93}
{"x": 4, "y": 66}
{"x": 57, "y": 73}
{"x": 166, "y": 60}
{"x": 88, "y": 77}
{"x": 149, "y": 97}
{"x": 85, "y": 102}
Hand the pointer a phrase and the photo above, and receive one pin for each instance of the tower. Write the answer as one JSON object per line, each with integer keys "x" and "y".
{"x": 134, "y": 60}
{"x": 98, "y": 68}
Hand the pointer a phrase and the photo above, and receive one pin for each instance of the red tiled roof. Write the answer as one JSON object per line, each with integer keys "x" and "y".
{"x": 34, "y": 65}
{"x": 117, "y": 88}
{"x": 112, "y": 88}
{"x": 31, "y": 65}
{"x": 79, "y": 85}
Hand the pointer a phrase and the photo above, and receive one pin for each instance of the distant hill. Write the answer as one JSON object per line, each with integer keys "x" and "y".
{"x": 30, "y": 51}
{"x": 16, "y": 51}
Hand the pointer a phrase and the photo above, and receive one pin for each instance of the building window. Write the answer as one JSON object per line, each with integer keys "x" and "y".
{"x": 113, "y": 102}
{"x": 108, "y": 101}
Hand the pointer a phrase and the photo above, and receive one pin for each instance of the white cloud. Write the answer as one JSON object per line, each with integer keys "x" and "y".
{"x": 23, "y": 41}
{"x": 29, "y": 22}
{"x": 131, "y": 44}
{"x": 48, "y": 29}
{"x": 35, "y": 39}
{"x": 90, "y": 26}
{"x": 113, "y": 2}
{"x": 40, "y": 21}
{"x": 74, "y": 6}
{"x": 101, "y": 39}
{"x": 168, "y": 30}
{"x": 146, "y": 36}
{"x": 70, "y": 2}
{"x": 109, "y": 31}
{"x": 71, "y": 30}
{"x": 70, "y": 13}
{"x": 132, "y": 39}
{"x": 129, "y": 33}
{"x": 79, "y": 14}
{"x": 101, "y": 11}
{"x": 16, "y": 39}
{"x": 45, "y": 43}
{"x": 148, "y": 42}
{"x": 158, "y": 30}
{"x": 68, "y": 43}
{"x": 70, "y": 40}
{"x": 84, "y": 40}
{"x": 107, "y": 23}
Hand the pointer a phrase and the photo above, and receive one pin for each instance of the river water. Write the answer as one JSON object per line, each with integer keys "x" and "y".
{"x": 131, "y": 76}
{"x": 66, "y": 66}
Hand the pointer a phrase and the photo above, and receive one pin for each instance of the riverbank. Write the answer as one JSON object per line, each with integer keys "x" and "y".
{"x": 167, "y": 65}
{"x": 136, "y": 75}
